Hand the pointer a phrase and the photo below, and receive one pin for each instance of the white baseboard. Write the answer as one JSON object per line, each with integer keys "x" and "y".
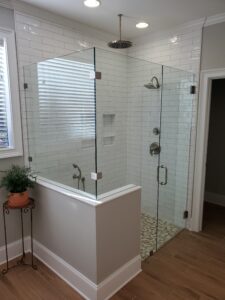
{"x": 84, "y": 286}
{"x": 66, "y": 272}
{"x": 108, "y": 287}
{"x": 213, "y": 198}
{"x": 14, "y": 249}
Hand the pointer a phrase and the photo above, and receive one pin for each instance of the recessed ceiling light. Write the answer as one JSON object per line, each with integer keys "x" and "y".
{"x": 92, "y": 3}
{"x": 142, "y": 25}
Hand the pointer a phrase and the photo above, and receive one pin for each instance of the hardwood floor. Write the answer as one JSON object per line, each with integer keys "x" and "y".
{"x": 190, "y": 267}
{"x": 24, "y": 283}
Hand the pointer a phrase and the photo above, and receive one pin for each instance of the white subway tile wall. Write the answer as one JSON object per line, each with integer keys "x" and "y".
{"x": 181, "y": 49}
{"x": 60, "y": 107}
{"x": 143, "y": 116}
{"x": 37, "y": 40}
{"x": 176, "y": 123}
{"x": 112, "y": 107}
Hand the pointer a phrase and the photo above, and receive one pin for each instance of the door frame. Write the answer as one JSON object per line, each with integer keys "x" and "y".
{"x": 203, "y": 117}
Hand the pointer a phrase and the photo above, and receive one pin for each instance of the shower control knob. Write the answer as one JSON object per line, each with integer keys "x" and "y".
{"x": 154, "y": 149}
{"x": 156, "y": 131}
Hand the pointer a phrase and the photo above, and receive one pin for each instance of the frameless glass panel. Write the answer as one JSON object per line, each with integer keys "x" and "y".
{"x": 60, "y": 104}
{"x": 127, "y": 113}
{"x": 150, "y": 76}
{"x": 176, "y": 120}
{"x": 111, "y": 112}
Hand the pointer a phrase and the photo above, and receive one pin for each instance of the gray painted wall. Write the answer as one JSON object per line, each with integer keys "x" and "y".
{"x": 67, "y": 228}
{"x": 213, "y": 47}
{"x": 118, "y": 233}
{"x": 6, "y": 18}
{"x": 95, "y": 240}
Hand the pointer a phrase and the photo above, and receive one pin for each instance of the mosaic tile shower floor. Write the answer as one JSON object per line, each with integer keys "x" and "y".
{"x": 166, "y": 231}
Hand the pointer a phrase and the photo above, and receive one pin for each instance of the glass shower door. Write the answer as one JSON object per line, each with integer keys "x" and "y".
{"x": 173, "y": 168}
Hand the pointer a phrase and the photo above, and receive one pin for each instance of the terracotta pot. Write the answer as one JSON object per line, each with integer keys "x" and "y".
{"x": 18, "y": 199}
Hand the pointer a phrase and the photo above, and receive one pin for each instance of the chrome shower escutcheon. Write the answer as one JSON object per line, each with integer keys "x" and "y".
{"x": 156, "y": 131}
{"x": 154, "y": 149}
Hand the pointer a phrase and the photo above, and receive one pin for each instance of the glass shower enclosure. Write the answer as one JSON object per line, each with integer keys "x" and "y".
{"x": 98, "y": 121}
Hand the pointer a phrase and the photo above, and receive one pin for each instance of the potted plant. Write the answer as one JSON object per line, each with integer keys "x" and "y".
{"x": 16, "y": 181}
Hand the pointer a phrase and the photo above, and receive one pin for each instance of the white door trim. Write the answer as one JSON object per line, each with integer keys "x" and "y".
{"x": 201, "y": 145}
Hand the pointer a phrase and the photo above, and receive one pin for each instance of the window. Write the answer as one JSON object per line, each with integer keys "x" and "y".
{"x": 10, "y": 122}
{"x": 4, "y": 97}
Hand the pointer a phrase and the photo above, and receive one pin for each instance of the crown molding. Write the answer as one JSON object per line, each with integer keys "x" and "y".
{"x": 5, "y": 3}
{"x": 199, "y": 23}
{"x": 33, "y": 11}
{"x": 220, "y": 18}
{"x": 196, "y": 24}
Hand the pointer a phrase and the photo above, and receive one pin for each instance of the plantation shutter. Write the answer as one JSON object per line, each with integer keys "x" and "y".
{"x": 4, "y": 96}
{"x": 66, "y": 96}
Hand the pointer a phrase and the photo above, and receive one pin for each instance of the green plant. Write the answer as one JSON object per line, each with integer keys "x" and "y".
{"x": 17, "y": 179}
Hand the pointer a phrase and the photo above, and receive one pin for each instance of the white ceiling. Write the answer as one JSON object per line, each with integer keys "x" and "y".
{"x": 161, "y": 14}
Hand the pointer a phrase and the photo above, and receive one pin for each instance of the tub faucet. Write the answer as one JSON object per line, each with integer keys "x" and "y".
{"x": 79, "y": 177}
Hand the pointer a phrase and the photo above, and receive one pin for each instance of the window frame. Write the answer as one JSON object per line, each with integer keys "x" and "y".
{"x": 14, "y": 119}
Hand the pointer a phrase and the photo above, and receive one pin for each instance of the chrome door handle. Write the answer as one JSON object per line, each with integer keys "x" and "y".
{"x": 158, "y": 173}
{"x": 166, "y": 175}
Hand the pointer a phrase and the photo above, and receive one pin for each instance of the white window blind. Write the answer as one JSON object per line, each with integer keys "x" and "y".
{"x": 66, "y": 98}
{"x": 4, "y": 96}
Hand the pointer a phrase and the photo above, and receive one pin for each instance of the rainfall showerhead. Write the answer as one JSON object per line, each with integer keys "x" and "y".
{"x": 153, "y": 84}
{"x": 120, "y": 44}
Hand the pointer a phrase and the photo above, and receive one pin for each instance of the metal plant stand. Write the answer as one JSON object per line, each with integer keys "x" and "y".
{"x": 23, "y": 210}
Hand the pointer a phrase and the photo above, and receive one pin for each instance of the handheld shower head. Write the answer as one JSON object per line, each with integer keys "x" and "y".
{"x": 153, "y": 84}
{"x": 79, "y": 171}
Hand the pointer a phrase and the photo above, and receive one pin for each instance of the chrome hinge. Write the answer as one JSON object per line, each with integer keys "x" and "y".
{"x": 95, "y": 75}
{"x": 193, "y": 89}
{"x": 98, "y": 75}
{"x": 185, "y": 214}
{"x": 96, "y": 176}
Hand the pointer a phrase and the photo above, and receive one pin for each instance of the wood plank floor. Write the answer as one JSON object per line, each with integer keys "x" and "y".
{"x": 190, "y": 267}
{"x": 24, "y": 283}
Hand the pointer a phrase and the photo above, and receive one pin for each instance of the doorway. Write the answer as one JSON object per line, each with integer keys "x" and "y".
{"x": 203, "y": 116}
{"x": 204, "y": 104}
{"x": 214, "y": 194}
